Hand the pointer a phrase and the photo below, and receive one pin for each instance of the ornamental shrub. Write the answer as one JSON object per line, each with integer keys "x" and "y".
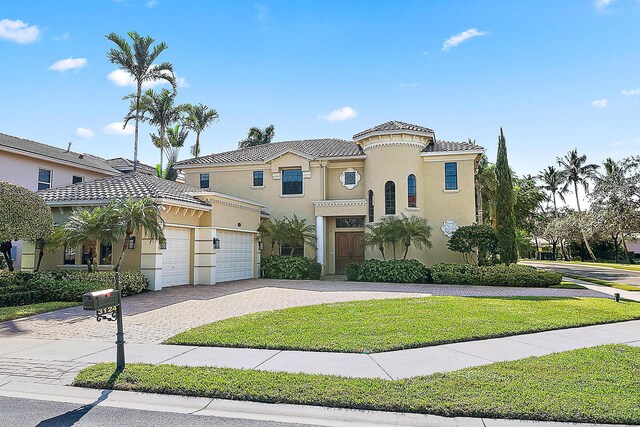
{"x": 290, "y": 267}
{"x": 494, "y": 275}
{"x": 353, "y": 271}
{"x": 394, "y": 271}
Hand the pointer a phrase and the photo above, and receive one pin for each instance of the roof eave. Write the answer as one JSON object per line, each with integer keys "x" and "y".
{"x": 447, "y": 153}
{"x": 357, "y": 137}
{"x": 31, "y": 154}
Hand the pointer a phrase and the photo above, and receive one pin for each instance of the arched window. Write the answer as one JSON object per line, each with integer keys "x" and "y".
{"x": 411, "y": 191}
{"x": 371, "y": 210}
{"x": 390, "y": 198}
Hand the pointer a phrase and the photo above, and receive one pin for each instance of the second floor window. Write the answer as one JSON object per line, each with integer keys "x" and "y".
{"x": 291, "y": 181}
{"x": 371, "y": 207}
{"x": 77, "y": 179}
{"x": 390, "y": 198}
{"x": 451, "y": 176}
{"x": 258, "y": 178}
{"x": 411, "y": 191}
{"x": 204, "y": 180}
{"x": 44, "y": 179}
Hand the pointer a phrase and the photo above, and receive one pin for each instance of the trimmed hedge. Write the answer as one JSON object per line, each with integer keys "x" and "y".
{"x": 395, "y": 271}
{"x": 494, "y": 275}
{"x": 290, "y": 267}
{"x": 18, "y": 288}
{"x": 352, "y": 271}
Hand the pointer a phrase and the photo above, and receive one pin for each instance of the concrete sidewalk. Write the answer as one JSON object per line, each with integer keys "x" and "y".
{"x": 310, "y": 415}
{"x": 54, "y": 361}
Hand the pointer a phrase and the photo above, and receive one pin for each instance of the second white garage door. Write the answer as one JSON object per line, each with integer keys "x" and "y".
{"x": 235, "y": 256}
{"x": 176, "y": 258}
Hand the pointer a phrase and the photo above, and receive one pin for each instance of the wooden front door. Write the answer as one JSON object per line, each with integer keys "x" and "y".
{"x": 349, "y": 248}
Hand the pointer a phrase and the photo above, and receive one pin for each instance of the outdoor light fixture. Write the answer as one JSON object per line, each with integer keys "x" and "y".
{"x": 132, "y": 242}
{"x": 163, "y": 244}
{"x": 260, "y": 245}
{"x": 216, "y": 243}
{"x": 616, "y": 296}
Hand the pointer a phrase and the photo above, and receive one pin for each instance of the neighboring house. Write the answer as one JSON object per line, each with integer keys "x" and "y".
{"x": 210, "y": 237}
{"x": 37, "y": 166}
{"x": 339, "y": 186}
{"x": 126, "y": 166}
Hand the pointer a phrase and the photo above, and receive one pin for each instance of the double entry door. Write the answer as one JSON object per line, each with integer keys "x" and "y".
{"x": 349, "y": 248}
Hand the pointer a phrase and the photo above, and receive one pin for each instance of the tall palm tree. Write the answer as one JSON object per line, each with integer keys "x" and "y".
{"x": 375, "y": 237}
{"x": 138, "y": 60}
{"x": 176, "y": 136}
{"x": 299, "y": 233}
{"x": 53, "y": 241}
{"x": 555, "y": 183}
{"x": 157, "y": 109}
{"x": 611, "y": 167}
{"x": 414, "y": 230}
{"x": 275, "y": 231}
{"x": 198, "y": 118}
{"x": 257, "y": 136}
{"x": 88, "y": 227}
{"x": 577, "y": 171}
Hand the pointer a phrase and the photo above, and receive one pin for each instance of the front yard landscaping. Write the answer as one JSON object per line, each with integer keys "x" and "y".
{"x": 383, "y": 325}
{"x": 596, "y": 385}
{"x": 616, "y": 285}
{"x": 12, "y": 313}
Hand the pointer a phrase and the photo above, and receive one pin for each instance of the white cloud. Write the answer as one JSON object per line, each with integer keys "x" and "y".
{"x": 602, "y": 4}
{"x": 18, "y": 31}
{"x": 462, "y": 37}
{"x": 68, "y": 64}
{"x": 84, "y": 133}
{"x": 631, "y": 92}
{"x": 115, "y": 128}
{"x": 341, "y": 114}
{"x": 65, "y": 36}
{"x": 600, "y": 103}
{"x": 122, "y": 78}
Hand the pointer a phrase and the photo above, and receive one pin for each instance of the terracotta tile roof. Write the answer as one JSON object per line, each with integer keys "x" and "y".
{"x": 443, "y": 146}
{"x": 126, "y": 165}
{"x": 314, "y": 148}
{"x": 392, "y": 127}
{"x": 54, "y": 153}
{"x": 136, "y": 185}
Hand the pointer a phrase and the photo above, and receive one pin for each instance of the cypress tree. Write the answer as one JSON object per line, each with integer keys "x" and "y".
{"x": 505, "y": 220}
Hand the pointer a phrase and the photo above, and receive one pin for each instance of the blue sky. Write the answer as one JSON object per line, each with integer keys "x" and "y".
{"x": 555, "y": 74}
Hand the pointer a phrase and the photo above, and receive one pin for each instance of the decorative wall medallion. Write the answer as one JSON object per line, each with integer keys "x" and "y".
{"x": 350, "y": 178}
{"x": 449, "y": 227}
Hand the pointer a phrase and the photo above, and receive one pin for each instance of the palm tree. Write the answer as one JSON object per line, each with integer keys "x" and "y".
{"x": 257, "y": 136}
{"x": 555, "y": 183}
{"x": 157, "y": 109}
{"x": 275, "y": 231}
{"x": 53, "y": 241}
{"x": 414, "y": 230}
{"x": 299, "y": 233}
{"x": 611, "y": 167}
{"x": 138, "y": 61}
{"x": 392, "y": 231}
{"x": 375, "y": 237}
{"x": 88, "y": 227}
{"x": 198, "y": 118}
{"x": 131, "y": 216}
{"x": 176, "y": 136}
{"x": 576, "y": 171}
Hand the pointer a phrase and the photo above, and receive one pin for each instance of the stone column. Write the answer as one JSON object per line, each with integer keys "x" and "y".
{"x": 320, "y": 241}
{"x": 204, "y": 257}
{"x": 151, "y": 262}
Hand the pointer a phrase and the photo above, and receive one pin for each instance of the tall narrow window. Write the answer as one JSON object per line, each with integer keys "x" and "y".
{"x": 44, "y": 179}
{"x": 390, "y": 198}
{"x": 291, "y": 181}
{"x": 371, "y": 207}
{"x": 69, "y": 255}
{"x": 411, "y": 191}
{"x": 451, "y": 176}
{"x": 106, "y": 250}
{"x": 204, "y": 180}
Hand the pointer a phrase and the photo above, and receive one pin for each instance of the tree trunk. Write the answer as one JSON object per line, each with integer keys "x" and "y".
{"x": 135, "y": 144}
{"x": 124, "y": 249}
{"x": 584, "y": 238}
{"x": 564, "y": 253}
{"x": 5, "y": 247}
{"x": 616, "y": 251}
{"x": 626, "y": 251}
{"x": 537, "y": 249}
{"x": 40, "y": 255}
{"x": 406, "y": 251}
{"x": 381, "y": 249}
{"x": 554, "y": 249}
{"x": 197, "y": 147}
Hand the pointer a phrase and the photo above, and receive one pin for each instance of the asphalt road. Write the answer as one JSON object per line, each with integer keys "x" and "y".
{"x": 29, "y": 413}
{"x": 602, "y": 273}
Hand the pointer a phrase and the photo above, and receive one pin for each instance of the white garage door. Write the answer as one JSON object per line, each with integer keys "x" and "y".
{"x": 175, "y": 259}
{"x": 235, "y": 256}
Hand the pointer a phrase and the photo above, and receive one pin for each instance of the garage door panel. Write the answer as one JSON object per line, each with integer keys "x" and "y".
{"x": 176, "y": 257}
{"x": 234, "y": 259}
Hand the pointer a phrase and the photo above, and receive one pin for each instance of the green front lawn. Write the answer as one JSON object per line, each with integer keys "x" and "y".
{"x": 595, "y": 385}
{"x": 615, "y": 285}
{"x": 11, "y": 313}
{"x": 382, "y": 325}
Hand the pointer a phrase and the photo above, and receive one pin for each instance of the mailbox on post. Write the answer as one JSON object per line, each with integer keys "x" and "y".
{"x": 105, "y": 303}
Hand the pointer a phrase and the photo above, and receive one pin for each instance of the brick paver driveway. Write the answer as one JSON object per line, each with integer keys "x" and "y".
{"x": 155, "y": 316}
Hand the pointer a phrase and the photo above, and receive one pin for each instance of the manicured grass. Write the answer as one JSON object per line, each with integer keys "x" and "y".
{"x": 616, "y": 285}
{"x": 567, "y": 285}
{"x": 381, "y": 325}
{"x": 596, "y": 385}
{"x": 629, "y": 267}
{"x": 11, "y": 313}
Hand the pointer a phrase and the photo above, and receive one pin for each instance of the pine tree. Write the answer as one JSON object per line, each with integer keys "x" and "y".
{"x": 505, "y": 221}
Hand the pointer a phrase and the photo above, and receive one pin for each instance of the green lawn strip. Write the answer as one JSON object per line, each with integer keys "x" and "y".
{"x": 383, "y": 325}
{"x": 11, "y": 313}
{"x": 567, "y": 285}
{"x": 616, "y": 285}
{"x": 594, "y": 385}
{"x": 628, "y": 267}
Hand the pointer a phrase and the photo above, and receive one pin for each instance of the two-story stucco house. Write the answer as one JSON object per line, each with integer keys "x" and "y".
{"x": 338, "y": 185}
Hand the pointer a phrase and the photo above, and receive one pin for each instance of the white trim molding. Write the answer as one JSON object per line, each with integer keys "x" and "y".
{"x": 339, "y": 203}
{"x": 393, "y": 144}
{"x": 343, "y": 178}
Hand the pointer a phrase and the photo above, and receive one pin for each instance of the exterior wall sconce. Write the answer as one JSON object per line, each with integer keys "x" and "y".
{"x": 131, "y": 244}
{"x": 163, "y": 243}
{"x": 216, "y": 243}
{"x": 260, "y": 245}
